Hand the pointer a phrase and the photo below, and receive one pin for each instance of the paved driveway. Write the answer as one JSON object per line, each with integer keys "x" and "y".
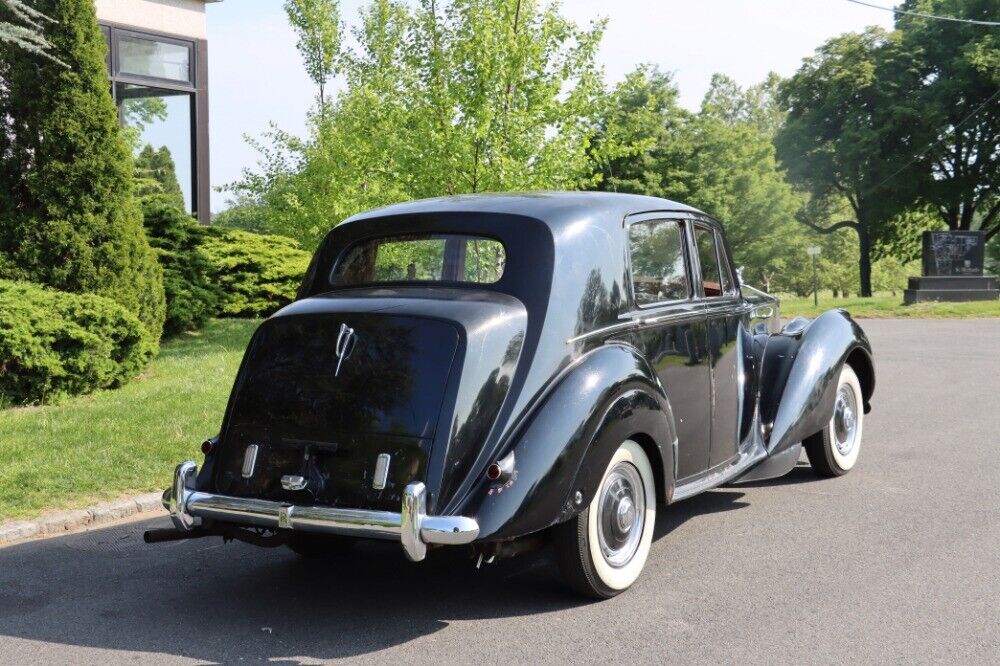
{"x": 899, "y": 561}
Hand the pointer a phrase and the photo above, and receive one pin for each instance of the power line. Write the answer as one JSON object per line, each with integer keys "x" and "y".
{"x": 922, "y": 15}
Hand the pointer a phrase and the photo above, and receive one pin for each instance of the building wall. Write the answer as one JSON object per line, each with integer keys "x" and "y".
{"x": 179, "y": 17}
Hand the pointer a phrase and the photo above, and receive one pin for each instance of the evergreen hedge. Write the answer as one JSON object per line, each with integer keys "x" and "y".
{"x": 70, "y": 218}
{"x": 56, "y": 343}
{"x": 192, "y": 294}
{"x": 257, "y": 274}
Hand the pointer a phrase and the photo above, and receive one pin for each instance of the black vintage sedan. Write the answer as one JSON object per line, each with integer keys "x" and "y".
{"x": 506, "y": 371}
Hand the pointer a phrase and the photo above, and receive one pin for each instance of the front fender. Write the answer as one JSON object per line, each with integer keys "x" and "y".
{"x": 563, "y": 447}
{"x": 799, "y": 374}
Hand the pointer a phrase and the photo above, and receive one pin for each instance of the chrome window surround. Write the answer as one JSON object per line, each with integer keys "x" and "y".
{"x": 412, "y": 527}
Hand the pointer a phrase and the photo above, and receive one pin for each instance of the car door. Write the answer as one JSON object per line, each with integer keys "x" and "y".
{"x": 671, "y": 331}
{"x": 725, "y": 317}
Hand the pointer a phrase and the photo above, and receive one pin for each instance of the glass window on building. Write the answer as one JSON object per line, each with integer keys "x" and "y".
{"x": 154, "y": 83}
{"x": 159, "y": 121}
{"x": 150, "y": 57}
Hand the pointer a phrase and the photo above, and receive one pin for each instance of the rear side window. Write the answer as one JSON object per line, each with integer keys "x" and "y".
{"x": 657, "y": 256}
{"x": 716, "y": 280}
{"x": 422, "y": 258}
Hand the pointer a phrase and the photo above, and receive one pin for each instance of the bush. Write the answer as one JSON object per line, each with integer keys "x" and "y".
{"x": 257, "y": 274}
{"x": 56, "y": 343}
{"x": 192, "y": 294}
{"x": 70, "y": 216}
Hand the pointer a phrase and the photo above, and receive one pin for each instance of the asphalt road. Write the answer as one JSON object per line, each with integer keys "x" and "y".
{"x": 899, "y": 561}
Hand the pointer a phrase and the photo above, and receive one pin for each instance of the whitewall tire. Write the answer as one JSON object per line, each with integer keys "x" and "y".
{"x": 603, "y": 550}
{"x": 834, "y": 450}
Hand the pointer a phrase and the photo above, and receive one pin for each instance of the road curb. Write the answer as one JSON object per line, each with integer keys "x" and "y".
{"x": 55, "y": 523}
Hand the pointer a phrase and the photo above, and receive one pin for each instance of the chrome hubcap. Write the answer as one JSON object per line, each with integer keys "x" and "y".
{"x": 621, "y": 513}
{"x": 845, "y": 420}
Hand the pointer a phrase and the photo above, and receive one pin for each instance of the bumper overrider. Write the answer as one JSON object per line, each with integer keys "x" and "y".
{"x": 412, "y": 527}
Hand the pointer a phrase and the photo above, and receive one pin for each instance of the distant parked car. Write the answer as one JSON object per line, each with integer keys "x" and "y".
{"x": 507, "y": 370}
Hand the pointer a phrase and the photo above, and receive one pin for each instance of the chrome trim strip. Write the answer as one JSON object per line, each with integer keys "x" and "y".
{"x": 604, "y": 330}
{"x": 640, "y": 322}
{"x": 411, "y": 527}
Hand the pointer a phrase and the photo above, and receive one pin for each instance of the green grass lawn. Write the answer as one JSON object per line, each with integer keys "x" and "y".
{"x": 122, "y": 441}
{"x": 885, "y": 306}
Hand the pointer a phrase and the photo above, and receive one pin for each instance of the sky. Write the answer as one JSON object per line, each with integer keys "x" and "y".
{"x": 256, "y": 76}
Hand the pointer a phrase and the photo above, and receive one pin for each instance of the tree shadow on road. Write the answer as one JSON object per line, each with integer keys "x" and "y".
{"x": 221, "y": 603}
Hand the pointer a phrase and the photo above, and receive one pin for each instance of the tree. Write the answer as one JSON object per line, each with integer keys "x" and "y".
{"x": 644, "y": 142}
{"x": 317, "y": 24}
{"x": 69, "y": 215}
{"x": 157, "y": 175}
{"x": 736, "y": 176}
{"x": 720, "y": 160}
{"x": 957, "y": 142}
{"x": 446, "y": 98}
{"x": 848, "y": 127}
{"x": 21, "y": 26}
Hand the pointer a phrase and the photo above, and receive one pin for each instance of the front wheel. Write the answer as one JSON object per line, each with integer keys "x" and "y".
{"x": 833, "y": 451}
{"x": 603, "y": 549}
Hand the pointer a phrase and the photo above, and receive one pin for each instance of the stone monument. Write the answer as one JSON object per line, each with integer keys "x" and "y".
{"x": 952, "y": 269}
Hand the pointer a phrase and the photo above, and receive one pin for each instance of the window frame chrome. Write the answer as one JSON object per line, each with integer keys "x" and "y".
{"x": 659, "y": 216}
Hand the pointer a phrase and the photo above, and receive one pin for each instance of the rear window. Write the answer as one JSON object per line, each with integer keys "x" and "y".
{"x": 423, "y": 258}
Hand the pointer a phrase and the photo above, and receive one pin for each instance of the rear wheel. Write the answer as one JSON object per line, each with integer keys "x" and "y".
{"x": 320, "y": 546}
{"x": 603, "y": 549}
{"x": 833, "y": 451}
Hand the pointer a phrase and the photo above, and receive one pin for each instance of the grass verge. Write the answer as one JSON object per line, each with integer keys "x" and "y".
{"x": 122, "y": 441}
{"x": 887, "y": 306}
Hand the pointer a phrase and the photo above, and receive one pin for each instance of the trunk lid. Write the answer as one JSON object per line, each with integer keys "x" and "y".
{"x": 323, "y": 393}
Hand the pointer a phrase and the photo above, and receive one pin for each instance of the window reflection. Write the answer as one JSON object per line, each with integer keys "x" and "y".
{"x": 148, "y": 57}
{"x": 159, "y": 122}
{"x": 658, "y": 271}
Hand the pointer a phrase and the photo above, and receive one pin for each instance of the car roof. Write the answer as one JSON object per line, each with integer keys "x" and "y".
{"x": 553, "y": 208}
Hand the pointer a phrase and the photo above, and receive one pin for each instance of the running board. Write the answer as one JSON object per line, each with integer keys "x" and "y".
{"x": 718, "y": 475}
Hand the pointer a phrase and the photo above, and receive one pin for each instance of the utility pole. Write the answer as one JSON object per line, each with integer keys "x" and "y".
{"x": 814, "y": 252}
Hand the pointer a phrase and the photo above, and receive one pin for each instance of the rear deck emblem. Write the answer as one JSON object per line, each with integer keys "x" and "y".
{"x": 249, "y": 461}
{"x": 345, "y": 345}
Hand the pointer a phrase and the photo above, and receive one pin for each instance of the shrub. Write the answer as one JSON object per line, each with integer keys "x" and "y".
{"x": 70, "y": 216}
{"x": 256, "y": 273}
{"x": 56, "y": 343}
{"x": 192, "y": 295}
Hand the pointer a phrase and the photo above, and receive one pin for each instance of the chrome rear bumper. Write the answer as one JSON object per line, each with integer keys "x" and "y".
{"x": 412, "y": 527}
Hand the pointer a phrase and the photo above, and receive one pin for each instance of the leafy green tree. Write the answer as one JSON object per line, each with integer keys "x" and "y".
{"x": 445, "y": 98}
{"x": 67, "y": 202}
{"x": 957, "y": 142}
{"x": 721, "y": 160}
{"x": 993, "y": 256}
{"x": 736, "y": 177}
{"x": 157, "y": 175}
{"x": 644, "y": 141}
{"x": 845, "y": 135}
{"x": 317, "y": 24}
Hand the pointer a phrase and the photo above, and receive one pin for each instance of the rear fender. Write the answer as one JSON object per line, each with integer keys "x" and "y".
{"x": 609, "y": 395}
{"x": 800, "y": 370}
